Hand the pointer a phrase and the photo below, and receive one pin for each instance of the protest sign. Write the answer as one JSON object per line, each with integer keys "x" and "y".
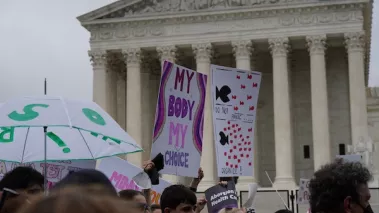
{"x": 179, "y": 118}
{"x": 303, "y": 194}
{"x": 219, "y": 197}
{"x": 234, "y": 98}
{"x": 55, "y": 170}
{"x": 351, "y": 158}
{"x": 121, "y": 173}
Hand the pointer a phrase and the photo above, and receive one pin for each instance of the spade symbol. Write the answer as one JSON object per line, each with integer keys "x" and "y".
{"x": 224, "y": 139}
{"x": 223, "y": 93}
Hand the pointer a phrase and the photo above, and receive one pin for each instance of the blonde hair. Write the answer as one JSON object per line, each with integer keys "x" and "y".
{"x": 78, "y": 200}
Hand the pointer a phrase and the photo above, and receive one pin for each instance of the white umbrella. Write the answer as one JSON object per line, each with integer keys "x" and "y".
{"x": 46, "y": 128}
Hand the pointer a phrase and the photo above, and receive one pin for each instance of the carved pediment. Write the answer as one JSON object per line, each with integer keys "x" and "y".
{"x": 130, "y": 8}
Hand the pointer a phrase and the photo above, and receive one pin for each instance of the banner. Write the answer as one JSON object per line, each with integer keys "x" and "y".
{"x": 303, "y": 194}
{"x": 234, "y": 98}
{"x": 56, "y": 170}
{"x": 179, "y": 118}
{"x": 219, "y": 197}
{"x": 121, "y": 173}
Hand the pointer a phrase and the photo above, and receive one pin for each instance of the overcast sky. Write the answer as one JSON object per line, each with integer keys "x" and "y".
{"x": 42, "y": 38}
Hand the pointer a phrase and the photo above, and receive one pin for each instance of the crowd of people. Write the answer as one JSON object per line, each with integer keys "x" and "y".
{"x": 338, "y": 187}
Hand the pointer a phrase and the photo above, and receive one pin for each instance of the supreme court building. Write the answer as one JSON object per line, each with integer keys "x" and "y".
{"x": 313, "y": 55}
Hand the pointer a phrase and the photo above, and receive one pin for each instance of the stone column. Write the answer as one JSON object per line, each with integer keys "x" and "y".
{"x": 320, "y": 115}
{"x": 242, "y": 52}
{"x": 133, "y": 106}
{"x": 282, "y": 115}
{"x": 99, "y": 65}
{"x": 111, "y": 85}
{"x": 203, "y": 54}
{"x": 168, "y": 53}
{"x": 121, "y": 99}
{"x": 146, "y": 113}
{"x": 355, "y": 45}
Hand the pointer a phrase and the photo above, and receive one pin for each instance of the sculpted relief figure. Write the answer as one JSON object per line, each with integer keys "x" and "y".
{"x": 156, "y": 6}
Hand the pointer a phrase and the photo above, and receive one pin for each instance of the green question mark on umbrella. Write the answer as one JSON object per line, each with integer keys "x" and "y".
{"x": 29, "y": 113}
{"x": 5, "y": 131}
{"x": 58, "y": 141}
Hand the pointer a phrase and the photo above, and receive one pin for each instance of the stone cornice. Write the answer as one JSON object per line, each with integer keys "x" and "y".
{"x": 104, "y": 15}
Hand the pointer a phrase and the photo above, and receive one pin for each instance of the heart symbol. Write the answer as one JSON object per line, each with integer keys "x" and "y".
{"x": 241, "y": 136}
{"x": 234, "y": 131}
{"x": 249, "y": 143}
{"x": 247, "y": 137}
{"x": 238, "y": 77}
{"x": 234, "y": 147}
{"x": 224, "y": 129}
{"x": 239, "y": 129}
{"x": 244, "y": 149}
{"x": 227, "y": 163}
{"x": 239, "y": 161}
{"x": 225, "y": 153}
{"x": 236, "y": 166}
{"x": 255, "y": 84}
{"x": 239, "y": 144}
{"x": 233, "y": 125}
{"x": 235, "y": 136}
{"x": 249, "y": 163}
{"x": 235, "y": 157}
{"x": 231, "y": 165}
{"x": 242, "y": 155}
{"x": 249, "y": 76}
{"x": 249, "y": 149}
{"x": 247, "y": 156}
{"x": 240, "y": 149}
{"x": 230, "y": 134}
{"x": 231, "y": 150}
{"x": 228, "y": 128}
{"x": 229, "y": 157}
{"x": 242, "y": 139}
{"x": 228, "y": 122}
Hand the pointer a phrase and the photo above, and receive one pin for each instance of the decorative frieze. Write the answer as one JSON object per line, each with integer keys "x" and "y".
{"x": 240, "y": 21}
{"x": 355, "y": 41}
{"x": 279, "y": 46}
{"x": 316, "y": 44}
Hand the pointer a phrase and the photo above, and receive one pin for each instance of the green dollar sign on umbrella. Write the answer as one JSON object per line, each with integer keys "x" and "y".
{"x": 94, "y": 116}
{"x": 29, "y": 113}
{"x": 5, "y": 131}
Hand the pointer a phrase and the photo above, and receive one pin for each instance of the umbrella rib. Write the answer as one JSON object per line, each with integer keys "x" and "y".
{"x": 86, "y": 144}
{"x": 23, "y": 151}
{"x": 66, "y": 111}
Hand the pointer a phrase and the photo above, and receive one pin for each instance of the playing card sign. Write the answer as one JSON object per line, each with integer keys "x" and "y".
{"x": 234, "y": 98}
{"x": 179, "y": 118}
{"x": 303, "y": 194}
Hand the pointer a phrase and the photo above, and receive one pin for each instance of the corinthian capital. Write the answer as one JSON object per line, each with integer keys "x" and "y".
{"x": 167, "y": 53}
{"x": 98, "y": 58}
{"x": 316, "y": 44}
{"x": 279, "y": 46}
{"x": 203, "y": 52}
{"x": 132, "y": 56}
{"x": 242, "y": 48}
{"x": 355, "y": 41}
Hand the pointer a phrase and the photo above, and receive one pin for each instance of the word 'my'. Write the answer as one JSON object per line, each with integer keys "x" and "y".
{"x": 179, "y": 78}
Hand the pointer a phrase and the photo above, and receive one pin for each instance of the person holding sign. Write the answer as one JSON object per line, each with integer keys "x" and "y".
{"x": 340, "y": 187}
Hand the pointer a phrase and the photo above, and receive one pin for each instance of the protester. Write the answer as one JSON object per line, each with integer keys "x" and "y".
{"x": 340, "y": 187}
{"x": 180, "y": 199}
{"x": 87, "y": 177}
{"x": 155, "y": 208}
{"x": 75, "y": 200}
{"x": 136, "y": 197}
{"x": 13, "y": 204}
{"x": 25, "y": 180}
{"x": 196, "y": 181}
